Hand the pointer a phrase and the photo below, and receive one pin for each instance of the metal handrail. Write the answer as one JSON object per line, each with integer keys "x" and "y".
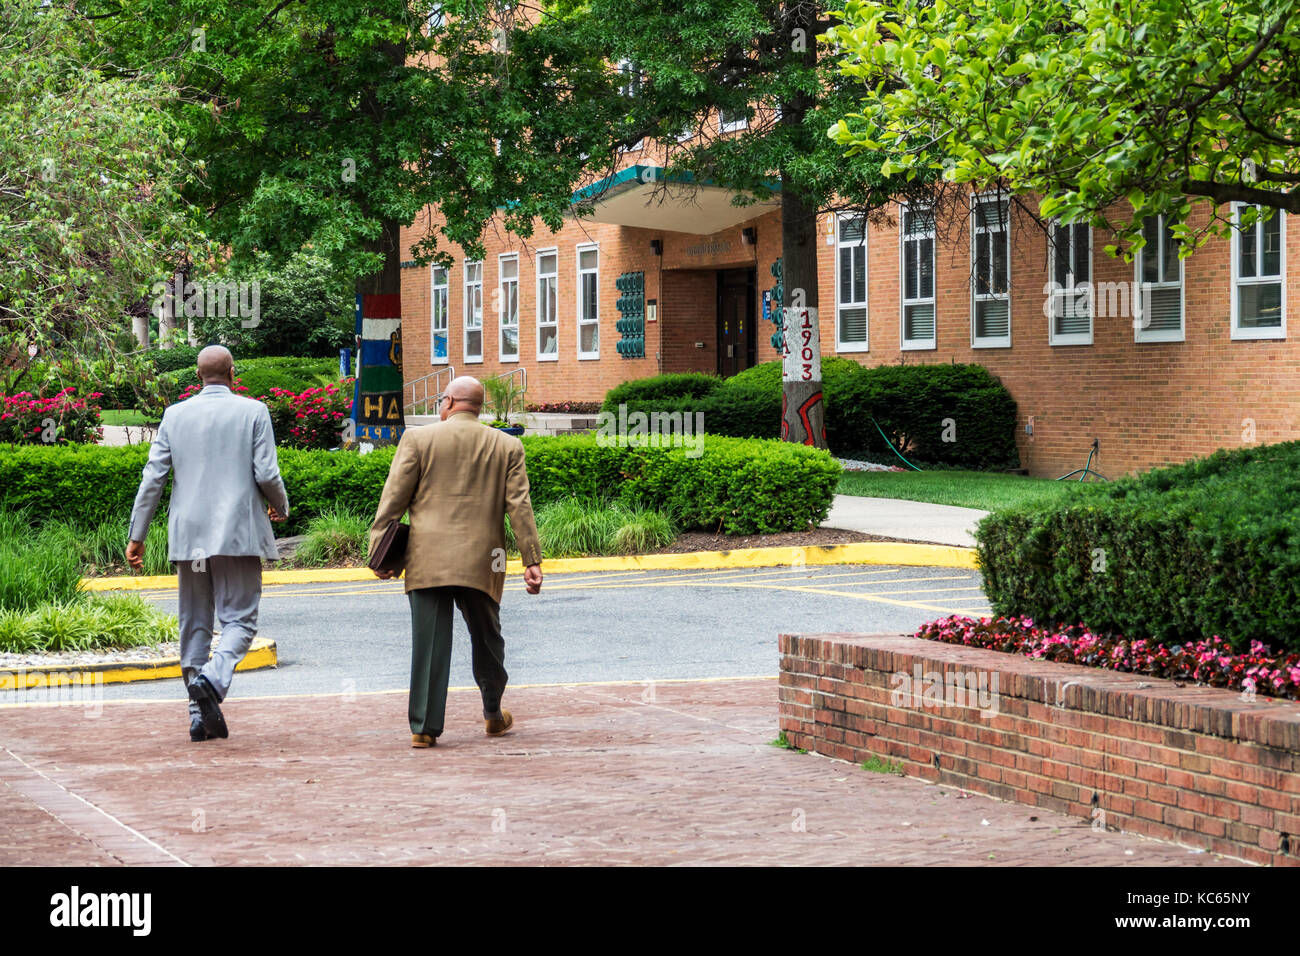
{"x": 423, "y": 381}
{"x": 522, "y": 372}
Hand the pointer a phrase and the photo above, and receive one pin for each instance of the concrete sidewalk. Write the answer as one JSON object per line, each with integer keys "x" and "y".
{"x": 911, "y": 520}
{"x": 635, "y": 773}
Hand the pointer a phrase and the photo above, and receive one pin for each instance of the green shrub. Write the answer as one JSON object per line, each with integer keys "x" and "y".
{"x": 177, "y": 359}
{"x": 99, "y": 621}
{"x": 1210, "y": 547}
{"x": 912, "y": 405}
{"x": 260, "y": 375}
{"x": 768, "y": 374}
{"x": 656, "y": 388}
{"x": 740, "y": 486}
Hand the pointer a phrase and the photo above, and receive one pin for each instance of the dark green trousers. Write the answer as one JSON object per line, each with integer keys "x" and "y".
{"x": 431, "y": 627}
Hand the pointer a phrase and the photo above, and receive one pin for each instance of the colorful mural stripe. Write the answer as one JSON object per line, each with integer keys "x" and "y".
{"x": 377, "y": 399}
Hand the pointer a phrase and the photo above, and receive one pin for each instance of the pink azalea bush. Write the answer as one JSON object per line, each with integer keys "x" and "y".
{"x": 61, "y": 419}
{"x": 1211, "y": 662}
{"x": 311, "y": 419}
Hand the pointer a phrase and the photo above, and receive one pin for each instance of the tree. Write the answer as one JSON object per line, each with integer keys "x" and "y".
{"x": 547, "y": 85}
{"x": 91, "y": 174}
{"x": 1088, "y": 103}
{"x": 332, "y": 125}
{"x": 304, "y": 308}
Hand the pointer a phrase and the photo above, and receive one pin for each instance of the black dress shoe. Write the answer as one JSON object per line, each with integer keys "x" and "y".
{"x": 197, "y": 733}
{"x": 203, "y": 694}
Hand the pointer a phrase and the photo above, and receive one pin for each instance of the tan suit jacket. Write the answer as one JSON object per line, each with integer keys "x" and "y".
{"x": 459, "y": 478}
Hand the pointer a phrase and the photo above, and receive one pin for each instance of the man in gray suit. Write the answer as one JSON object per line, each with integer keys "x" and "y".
{"x": 222, "y": 451}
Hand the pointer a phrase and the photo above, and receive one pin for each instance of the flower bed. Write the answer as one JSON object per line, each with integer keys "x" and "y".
{"x": 1210, "y": 662}
{"x": 61, "y": 419}
{"x": 564, "y": 408}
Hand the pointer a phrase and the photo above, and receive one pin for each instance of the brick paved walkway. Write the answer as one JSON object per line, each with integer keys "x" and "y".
{"x": 592, "y": 774}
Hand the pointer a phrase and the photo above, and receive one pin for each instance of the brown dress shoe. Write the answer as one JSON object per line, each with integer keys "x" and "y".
{"x": 496, "y": 726}
{"x": 423, "y": 740}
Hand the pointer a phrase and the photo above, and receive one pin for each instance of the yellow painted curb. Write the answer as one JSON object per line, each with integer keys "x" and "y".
{"x": 866, "y": 552}
{"x": 260, "y": 655}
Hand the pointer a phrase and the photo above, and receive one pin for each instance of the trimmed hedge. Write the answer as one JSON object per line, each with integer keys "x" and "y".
{"x": 738, "y": 486}
{"x": 656, "y": 388}
{"x": 1207, "y": 548}
{"x": 910, "y": 403}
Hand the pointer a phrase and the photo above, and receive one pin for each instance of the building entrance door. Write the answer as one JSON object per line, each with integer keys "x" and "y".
{"x": 737, "y": 342}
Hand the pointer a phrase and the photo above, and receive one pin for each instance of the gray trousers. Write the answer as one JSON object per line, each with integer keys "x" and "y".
{"x": 229, "y": 588}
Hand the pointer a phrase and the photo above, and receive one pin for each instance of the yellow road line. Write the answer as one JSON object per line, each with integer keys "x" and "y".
{"x": 867, "y": 552}
{"x": 741, "y": 582}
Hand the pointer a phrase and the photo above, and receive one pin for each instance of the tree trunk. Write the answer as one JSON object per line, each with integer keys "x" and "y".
{"x": 377, "y": 406}
{"x": 803, "y": 409}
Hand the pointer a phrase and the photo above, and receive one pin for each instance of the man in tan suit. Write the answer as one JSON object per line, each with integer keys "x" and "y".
{"x": 458, "y": 479}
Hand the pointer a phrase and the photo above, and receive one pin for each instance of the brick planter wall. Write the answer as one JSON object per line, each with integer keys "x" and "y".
{"x": 1197, "y": 765}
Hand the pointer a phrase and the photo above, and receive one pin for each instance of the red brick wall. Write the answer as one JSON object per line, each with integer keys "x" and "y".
{"x": 1192, "y": 764}
{"x": 1148, "y": 403}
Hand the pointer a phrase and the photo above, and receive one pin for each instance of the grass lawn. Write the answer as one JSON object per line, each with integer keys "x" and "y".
{"x": 123, "y": 416}
{"x": 987, "y": 491}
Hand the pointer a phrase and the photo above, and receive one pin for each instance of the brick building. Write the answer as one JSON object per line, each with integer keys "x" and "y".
{"x": 1164, "y": 360}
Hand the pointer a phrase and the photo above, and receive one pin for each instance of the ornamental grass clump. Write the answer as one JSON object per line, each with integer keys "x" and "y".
{"x": 36, "y": 566}
{"x": 337, "y": 537}
{"x": 98, "y": 621}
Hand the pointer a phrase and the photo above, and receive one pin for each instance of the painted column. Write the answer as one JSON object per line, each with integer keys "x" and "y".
{"x": 377, "y": 396}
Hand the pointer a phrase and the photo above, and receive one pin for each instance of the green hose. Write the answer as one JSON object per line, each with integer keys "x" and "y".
{"x": 891, "y": 445}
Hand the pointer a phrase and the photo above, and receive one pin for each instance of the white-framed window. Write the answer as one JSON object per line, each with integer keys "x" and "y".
{"x": 1259, "y": 275}
{"x": 991, "y": 265}
{"x": 436, "y": 17}
{"x": 473, "y": 344}
{"x": 588, "y": 302}
{"x": 548, "y": 306}
{"x": 851, "y": 284}
{"x": 629, "y": 78}
{"x": 731, "y": 121}
{"x": 917, "y": 234}
{"x": 1158, "y": 281}
{"x": 1069, "y": 250}
{"x": 508, "y": 306}
{"x": 439, "y": 288}
{"x": 629, "y": 85}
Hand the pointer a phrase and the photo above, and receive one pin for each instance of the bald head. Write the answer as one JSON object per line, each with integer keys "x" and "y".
{"x": 215, "y": 363}
{"x": 463, "y": 394}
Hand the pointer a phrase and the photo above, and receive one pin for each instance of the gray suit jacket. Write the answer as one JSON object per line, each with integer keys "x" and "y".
{"x": 222, "y": 450}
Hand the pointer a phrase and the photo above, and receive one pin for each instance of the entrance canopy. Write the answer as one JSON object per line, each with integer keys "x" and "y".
{"x": 646, "y": 197}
